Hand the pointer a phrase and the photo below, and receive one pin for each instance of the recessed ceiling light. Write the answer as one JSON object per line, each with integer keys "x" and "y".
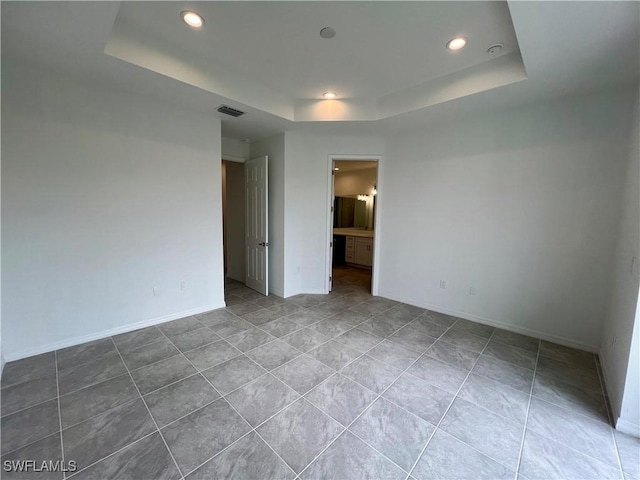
{"x": 327, "y": 32}
{"x": 191, "y": 18}
{"x": 329, "y": 95}
{"x": 457, "y": 43}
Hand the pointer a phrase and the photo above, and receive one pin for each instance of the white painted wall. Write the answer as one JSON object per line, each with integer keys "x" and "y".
{"x": 274, "y": 148}
{"x": 355, "y": 182}
{"x": 307, "y": 184}
{"x": 235, "y": 221}
{"x": 105, "y": 195}
{"x": 234, "y": 149}
{"x": 619, "y": 353}
{"x": 522, "y": 205}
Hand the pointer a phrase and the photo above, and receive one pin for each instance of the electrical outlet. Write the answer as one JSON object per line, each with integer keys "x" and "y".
{"x": 443, "y": 284}
{"x": 472, "y": 290}
{"x": 183, "y": 285}
{"x": 156, "y": 291}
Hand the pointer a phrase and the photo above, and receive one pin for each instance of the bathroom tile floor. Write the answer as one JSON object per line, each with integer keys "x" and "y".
{"x": 343, "y": 386}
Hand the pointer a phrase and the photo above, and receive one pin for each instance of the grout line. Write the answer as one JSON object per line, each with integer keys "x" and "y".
{"x": 234, "y": 409}
{"x": 147, "y": 407}
{"x": 376, "y": 399}
{"x": 112, "y": 454}
{"x": 609, "y": 414}
{"x": 450, "y": 404}
{"x": 64, "y": 473}
{"x": 526, "y": 418}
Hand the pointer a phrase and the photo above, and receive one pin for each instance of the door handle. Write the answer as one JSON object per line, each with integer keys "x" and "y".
{"x": 264, "y": 244}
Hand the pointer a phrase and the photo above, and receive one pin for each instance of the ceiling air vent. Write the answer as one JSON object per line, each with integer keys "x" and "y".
{"x": 230, "y": 111}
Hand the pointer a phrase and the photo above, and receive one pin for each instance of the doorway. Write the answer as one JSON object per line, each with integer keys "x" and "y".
{"x": 353, "y": 207}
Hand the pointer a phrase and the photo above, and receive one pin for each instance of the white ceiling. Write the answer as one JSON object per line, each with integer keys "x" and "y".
{"x": 351, "y": 165}
{"x": 270, "y": 59}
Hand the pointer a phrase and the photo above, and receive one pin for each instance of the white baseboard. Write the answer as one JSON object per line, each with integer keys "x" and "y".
{"x": 629, "y": 428}
{"x": 568, "y": 342}
{"x": 277, "y": 293}
{"x": 70, "y": 342}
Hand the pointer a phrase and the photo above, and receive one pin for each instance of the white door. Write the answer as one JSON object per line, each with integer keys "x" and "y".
{"x": 333, "y": 207}
{"x": 256, "y": 230}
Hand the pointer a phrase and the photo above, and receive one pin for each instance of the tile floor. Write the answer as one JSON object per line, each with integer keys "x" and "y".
{"x": 316, "y": 386}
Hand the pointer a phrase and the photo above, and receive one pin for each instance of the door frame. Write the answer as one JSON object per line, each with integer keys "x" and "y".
{"x": 377, "y": 218}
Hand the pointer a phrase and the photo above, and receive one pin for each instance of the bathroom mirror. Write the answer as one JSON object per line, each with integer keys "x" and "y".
{"x": 349, "y": 212}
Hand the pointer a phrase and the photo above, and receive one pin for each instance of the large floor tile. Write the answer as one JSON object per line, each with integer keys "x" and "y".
{"x": 96, "y": 371}
{"x": 465, "y": 340}
{"x": 393, "y": 354}
{"x": 273, "y": 354}
{"x": 394, "y": 432}
{"x": 581, "y": 433}
{"x": 243, "y": 308}
{"x": 197, "y": 437}
{"x": 162, "y": 373}
{"x": 412, "y": 340}
{"x": 303, "y": 373}
{"x": 371, "y": 373}
{"x": 262, "y": 398}
{"x": 334, "y": 354}
{"x": 439, "y": 374}
{"x": 271, "y": 300}
{"x": 452, "y": 355}
{"x": 231, "y": 327}
{"x": 300, "y": 433}
{"x": 86, "y": 352}
{"x": 359, "y": 340}
{"x": 215, "y": 317}
{"x": 178, "y": 327}
{"x": 281, "y": 327}
{"x": 349, "y": 458}
{"x": 262, "y": 316}
{"x": 28, "y": 369}
{"x": 148, "y": 354}
{"x": 586, "y": 378}
{"x": 497, "y": 397}
{"x": 350, "y": 316}
{"x": 380, "y": 326}
{"x": 514, "y": 355}
{"x": 28, "y": 394}
{"x": 305, "y": 339}
{"x": 285, "y": 308}
{"x": 193, "y": 339}
{"x": 577, "y": 358}
{"x": 45, "y": 450}
{"x": 212, "y": 354}
{"x": 27, "y": 426}
{"x": 248, "y": 458}
{"x": 475, "y": 328}
{"x": 443, "y": 456}
{"x": 511, "y": 375}
{"x": 234, "y": 373}
{"x": 577, "y": 399}
{"x": 180, "y": 399}
{"x": 629, "y": 451}
{"x": 487, "y": 432}
{"x": 439, "y": 318}
{"x": 341, "y": 398}
{"x": 543, "y": 458}
{"x": 147, "y": 458}
{"x": 96, "y": 399}
{"x": 330, "y": 327}
{"x": 305, "y": 317}
{"x": 129, "y": 341}
{"x": 419, "y": 397}
{"x": 94, "y": 439}
{"x": 516, "y": 340}
{"x": 249, "y": 339}
{"x": 425, "y": 327}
